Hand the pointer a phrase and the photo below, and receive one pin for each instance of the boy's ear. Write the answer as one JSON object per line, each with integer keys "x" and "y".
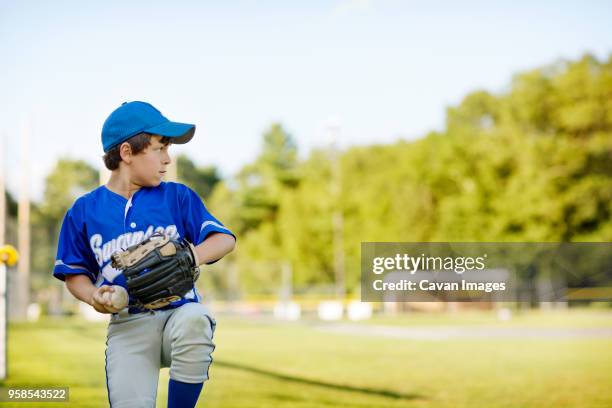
{"x": 125, "y": 151}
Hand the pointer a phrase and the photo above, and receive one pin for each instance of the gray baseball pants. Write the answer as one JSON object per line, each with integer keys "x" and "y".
{"x": 138, "y": 345}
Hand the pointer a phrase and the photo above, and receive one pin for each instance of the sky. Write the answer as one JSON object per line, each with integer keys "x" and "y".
{"x": 378, "y": 70}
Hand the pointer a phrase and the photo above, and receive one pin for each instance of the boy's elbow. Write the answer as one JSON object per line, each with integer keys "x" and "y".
{"x": 231, "y": 243}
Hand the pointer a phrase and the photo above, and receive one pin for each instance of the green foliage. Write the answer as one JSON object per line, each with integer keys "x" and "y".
{"x": 260, "y": 184}
{"x": 67, "y": 181}
{"x": 305, "y": 224}
{"x": 201, "y": 179}
{"x": 11, "y": 204}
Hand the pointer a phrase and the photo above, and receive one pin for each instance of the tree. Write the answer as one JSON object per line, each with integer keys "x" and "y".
{"x": 68, "y": 180}
{"x": 201, "y": 179}
{"x": 260, "y": 184}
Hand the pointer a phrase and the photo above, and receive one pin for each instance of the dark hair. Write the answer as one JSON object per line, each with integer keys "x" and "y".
{"x": 138, "y": 143}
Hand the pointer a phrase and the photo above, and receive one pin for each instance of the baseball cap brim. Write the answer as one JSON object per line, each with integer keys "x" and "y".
{"x": 179, "y": 132}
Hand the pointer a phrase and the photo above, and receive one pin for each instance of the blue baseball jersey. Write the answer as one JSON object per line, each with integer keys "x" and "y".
{"x": 102, "y": 222}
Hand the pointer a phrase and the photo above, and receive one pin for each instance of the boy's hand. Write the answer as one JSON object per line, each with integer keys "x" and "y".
{"x": 101, "y": 300}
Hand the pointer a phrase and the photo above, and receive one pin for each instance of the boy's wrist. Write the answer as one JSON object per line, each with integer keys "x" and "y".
{"x": 90, "y": 297}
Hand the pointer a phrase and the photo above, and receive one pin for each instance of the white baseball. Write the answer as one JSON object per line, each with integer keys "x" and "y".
{"x": 119, "y": 298}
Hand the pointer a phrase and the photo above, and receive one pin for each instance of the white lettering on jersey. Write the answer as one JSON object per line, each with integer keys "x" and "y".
{"x": 103, "y": 251}
{"x": 110, "y": 273}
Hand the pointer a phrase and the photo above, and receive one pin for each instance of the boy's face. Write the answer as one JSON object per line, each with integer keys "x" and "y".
{"x": 149, "y": 166}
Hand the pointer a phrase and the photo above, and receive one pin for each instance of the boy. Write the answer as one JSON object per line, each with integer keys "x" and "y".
{"x": 134, "y": 205}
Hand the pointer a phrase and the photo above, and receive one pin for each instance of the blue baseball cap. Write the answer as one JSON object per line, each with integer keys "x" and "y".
{"x": 132, "y": 118}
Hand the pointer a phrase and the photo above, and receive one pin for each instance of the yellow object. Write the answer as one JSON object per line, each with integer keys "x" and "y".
{"x": 9, "y": 255}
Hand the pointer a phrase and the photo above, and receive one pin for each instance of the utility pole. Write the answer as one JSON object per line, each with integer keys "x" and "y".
{"x": 23, "y": 221}
{"x": 2, "y": 193}
{"x": 337, "y": 217}
{"x": 3, "y": 269}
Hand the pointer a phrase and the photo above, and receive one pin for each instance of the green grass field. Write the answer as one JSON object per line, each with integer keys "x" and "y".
{"x": 259, "y": 363}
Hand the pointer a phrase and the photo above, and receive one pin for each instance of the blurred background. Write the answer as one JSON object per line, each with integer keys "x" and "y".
{"x": 320, "y": 126}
